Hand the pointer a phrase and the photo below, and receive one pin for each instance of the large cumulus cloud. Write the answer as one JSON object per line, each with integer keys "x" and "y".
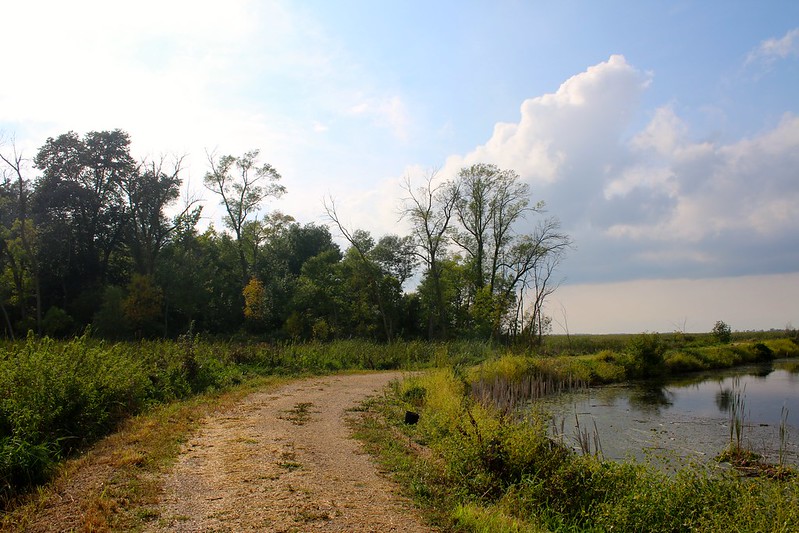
{"x": 649, "y": 201}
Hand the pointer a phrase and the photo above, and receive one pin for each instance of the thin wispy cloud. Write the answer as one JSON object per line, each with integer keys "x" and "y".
{"x": 773, "y": 49}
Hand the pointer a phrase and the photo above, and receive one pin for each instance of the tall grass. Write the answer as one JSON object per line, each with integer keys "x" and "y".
{"x": 488, "y": 472}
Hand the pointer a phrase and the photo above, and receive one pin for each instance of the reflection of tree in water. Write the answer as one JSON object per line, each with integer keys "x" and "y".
{"x": 763, "y": 370}
{"x": 651, "y": 397}
{"x": 724, "y": 400}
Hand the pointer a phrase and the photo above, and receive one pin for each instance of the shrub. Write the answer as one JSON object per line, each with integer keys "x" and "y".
{"x": 722, "y": 332}
{"x": 677, "y": 362}
{"x": 644, "y": 356}
{"x": 57, "y": 323}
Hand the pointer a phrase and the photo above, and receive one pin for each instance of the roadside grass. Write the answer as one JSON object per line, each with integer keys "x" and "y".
{"x": 121, "y": 476}
{"x": 471, "y": 468}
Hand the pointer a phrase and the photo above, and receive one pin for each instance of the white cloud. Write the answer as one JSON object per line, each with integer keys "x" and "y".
{"x": 772, "y": 49}
{"x": 663, "y": 134}
{"x": 642, "y": 177}
{"x": 584, "y": 118}
{"x": 637, "y": 199}
{"x": 189, "y": 76}
{"x": 746, "y": 186}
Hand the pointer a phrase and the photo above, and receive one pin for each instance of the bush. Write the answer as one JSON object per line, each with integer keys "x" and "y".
{"x": 722, "y": 332}
{"x": 644, "y": 356}
{"x": 57, "y": 323}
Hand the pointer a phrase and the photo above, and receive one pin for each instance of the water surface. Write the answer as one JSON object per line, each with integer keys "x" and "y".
{"x": 688, "y": 419}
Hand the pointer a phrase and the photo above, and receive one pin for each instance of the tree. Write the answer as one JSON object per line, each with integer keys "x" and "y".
{"x": 429, "y": 209}
{"x": 395, "y": 256}
{"x": 148, "y": 192}
{"x": 320, "y": 294}
{"x": 254, "y": 308}
{"x": 362, "y": 243}
{"x": 488, "y": 203}
{"x": 531, "y": 264}
{"x": 142, "y": 307}
{"x": 286, "y": 247}
{"x": 722, "y": 332}
{"x": 242, "y": 186}
{"x": 17, "y": 192}
{"x": 79, "y": 210}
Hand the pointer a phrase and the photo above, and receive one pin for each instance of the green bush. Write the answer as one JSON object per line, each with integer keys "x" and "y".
{"x": 722, "y": 332}
{"x": 644, "y": 356}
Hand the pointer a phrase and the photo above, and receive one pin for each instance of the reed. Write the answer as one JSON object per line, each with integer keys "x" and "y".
{"x": 508, "y": 394}
{"x": 783, "y": 436}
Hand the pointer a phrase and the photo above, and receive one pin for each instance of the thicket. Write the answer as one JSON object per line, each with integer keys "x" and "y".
{"x": 488, "y": 471}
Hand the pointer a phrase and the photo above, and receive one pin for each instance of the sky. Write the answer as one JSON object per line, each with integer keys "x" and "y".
{"x": 663, "y": 135}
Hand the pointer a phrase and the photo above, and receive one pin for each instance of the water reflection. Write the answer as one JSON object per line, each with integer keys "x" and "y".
{"x": 690, "y": 417}
{"x": 724, "y": 400}
{"x": 763, "y": 371}
{"x": 651, "y": 397}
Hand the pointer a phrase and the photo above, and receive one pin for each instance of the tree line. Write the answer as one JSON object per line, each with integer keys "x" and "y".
{"x": 89, "y": 236}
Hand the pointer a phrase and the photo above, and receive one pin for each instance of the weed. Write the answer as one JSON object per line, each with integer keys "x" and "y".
{"x": 300, "y": 414}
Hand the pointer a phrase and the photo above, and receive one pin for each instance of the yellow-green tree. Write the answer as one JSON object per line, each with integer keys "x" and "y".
{"x": 254, "y": 305}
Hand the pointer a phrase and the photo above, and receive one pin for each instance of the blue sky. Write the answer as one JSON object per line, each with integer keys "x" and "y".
{"x": 664, "y": 135}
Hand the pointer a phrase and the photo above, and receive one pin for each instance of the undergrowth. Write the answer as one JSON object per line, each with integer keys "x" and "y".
{"x": 476, "y": 469}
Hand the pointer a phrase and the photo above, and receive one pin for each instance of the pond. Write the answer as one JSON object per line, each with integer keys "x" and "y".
{"x": 685, "y": 420}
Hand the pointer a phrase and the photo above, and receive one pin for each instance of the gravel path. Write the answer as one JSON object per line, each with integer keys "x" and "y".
{"x": 284, "y": 460}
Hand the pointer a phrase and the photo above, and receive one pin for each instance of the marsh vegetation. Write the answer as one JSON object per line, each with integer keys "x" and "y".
{"x": 493, "y": 464}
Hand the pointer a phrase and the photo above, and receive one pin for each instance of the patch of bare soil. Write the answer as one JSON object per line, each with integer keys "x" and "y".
{"x": 284, "y": 460}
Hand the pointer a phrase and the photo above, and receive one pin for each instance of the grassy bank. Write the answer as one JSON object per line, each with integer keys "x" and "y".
{"x": 475, "y": 469}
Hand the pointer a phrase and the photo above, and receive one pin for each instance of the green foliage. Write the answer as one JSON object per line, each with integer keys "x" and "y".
{"x": 57, "y": 323}
{"x": 722, "y": 332}
{"x": 644, "y": 356}
{"x": 57, "y": 397}
{"x": 254, "y": 304}
{"x": 109, "y": 322}
{"x": 142, "y": 306}
{"x": 488, "y": 472}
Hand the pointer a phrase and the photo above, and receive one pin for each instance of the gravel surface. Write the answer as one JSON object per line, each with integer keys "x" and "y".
{"x": 284, "y": 460}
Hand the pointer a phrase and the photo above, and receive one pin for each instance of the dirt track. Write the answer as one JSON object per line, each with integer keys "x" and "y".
{"x": 284, "y": 460}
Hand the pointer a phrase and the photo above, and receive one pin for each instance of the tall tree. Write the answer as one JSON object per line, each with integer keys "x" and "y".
{"x": 18, "y": 202}
{"x": 529, "y": 268}
{"x": 148, "y": 192}
{"x": 395, "y": 256}
{"x": 362, "y": 243}
{"x": 79, "y": 207}
{"x": 488, "y": 204}
{"x": 429, "y": 209}
{"x": 242, "y": 185}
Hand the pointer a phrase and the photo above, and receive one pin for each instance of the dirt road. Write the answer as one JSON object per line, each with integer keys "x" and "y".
{"x": 284, "y": 460}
